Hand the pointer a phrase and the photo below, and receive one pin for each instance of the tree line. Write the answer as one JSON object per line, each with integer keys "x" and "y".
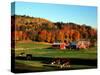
{"x": 42, "y": 30}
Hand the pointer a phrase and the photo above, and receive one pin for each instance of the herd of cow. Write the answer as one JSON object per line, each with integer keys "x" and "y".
{"x": 62, "y": 62}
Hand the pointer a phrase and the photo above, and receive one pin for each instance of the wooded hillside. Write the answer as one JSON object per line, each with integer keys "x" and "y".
{"x": 42, "y": 30}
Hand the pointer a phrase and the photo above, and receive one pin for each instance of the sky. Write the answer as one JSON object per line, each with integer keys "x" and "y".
{"x": 58, "y": 12}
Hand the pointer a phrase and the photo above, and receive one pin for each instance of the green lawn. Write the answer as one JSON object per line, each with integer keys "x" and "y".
{"x": 31, "y": 45}
{"x": 45, "y": 50}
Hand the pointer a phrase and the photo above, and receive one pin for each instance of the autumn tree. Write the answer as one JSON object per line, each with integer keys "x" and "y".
{"x": 60, "y": 36}
{"x": 76, "y": 36}
{"x": 53, "y": 37}
{"x": 42, "y": 35}
{"x": 48, "y": 39}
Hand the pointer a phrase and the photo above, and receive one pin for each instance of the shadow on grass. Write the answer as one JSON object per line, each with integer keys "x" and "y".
{"x": 76, "y": 61}
{"x": 25, "y": 68}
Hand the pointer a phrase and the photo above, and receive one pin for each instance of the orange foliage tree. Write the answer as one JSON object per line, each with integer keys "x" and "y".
{"x": 42, "y": 35}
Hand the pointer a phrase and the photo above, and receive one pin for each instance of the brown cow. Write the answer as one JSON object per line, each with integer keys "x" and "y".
{"x": 63, "y": 62}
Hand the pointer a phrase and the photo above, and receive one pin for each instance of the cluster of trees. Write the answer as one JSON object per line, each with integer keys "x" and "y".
{"x": 39, "y": 29}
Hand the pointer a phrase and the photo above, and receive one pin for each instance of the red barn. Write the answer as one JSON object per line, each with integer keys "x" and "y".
{"x": 59, "y": 45}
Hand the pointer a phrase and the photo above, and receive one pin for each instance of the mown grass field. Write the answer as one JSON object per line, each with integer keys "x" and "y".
{"x": 45, "y": 51}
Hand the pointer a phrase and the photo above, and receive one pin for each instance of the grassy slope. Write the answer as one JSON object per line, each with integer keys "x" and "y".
{"x": 43, "y": 50}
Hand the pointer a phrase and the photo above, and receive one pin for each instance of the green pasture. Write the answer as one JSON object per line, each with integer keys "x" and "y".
{"x": 45, "y": 50}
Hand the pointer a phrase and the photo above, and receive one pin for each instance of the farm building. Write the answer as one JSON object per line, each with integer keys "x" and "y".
{"x": 59, "y": 45}
{"x": 81, "y": 44}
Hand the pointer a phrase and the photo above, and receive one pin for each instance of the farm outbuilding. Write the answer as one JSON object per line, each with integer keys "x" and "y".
{"x": 59, "y": 45}
{"x": 81, "y": 44}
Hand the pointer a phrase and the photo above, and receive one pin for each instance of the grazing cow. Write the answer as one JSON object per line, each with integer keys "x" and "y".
{"x": 63, "y": 62}
{"x": 56, "y": 61}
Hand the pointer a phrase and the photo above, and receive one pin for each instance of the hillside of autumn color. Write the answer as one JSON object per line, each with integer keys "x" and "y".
{"x": 42, "y": 30}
